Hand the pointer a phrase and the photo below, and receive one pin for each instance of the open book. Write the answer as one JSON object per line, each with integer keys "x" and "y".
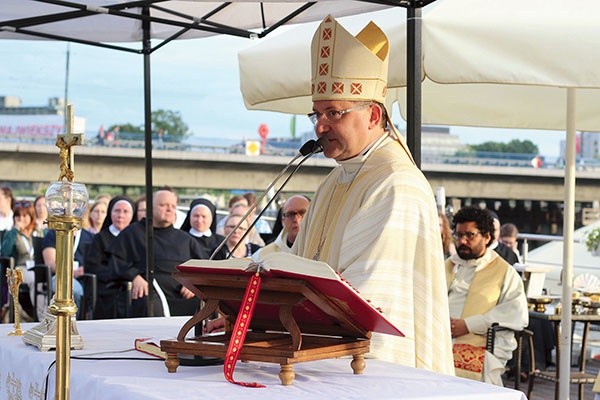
{"x": 318, "y": 275}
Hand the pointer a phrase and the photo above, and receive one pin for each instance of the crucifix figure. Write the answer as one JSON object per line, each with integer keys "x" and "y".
{"x": 64, "y": 142}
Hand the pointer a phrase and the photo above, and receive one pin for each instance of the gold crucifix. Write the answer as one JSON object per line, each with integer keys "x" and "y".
{"x": 64, "y": 142}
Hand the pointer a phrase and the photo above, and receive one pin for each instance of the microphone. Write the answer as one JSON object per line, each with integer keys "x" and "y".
{"x": 311, "y": 147}
{"x": 307, "y": 150}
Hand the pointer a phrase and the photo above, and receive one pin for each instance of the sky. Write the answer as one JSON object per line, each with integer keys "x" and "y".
{"x": 198, "y": 78}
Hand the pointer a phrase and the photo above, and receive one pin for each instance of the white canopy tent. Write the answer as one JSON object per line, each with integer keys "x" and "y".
{"x": 510, "y": 64}
{"x": 121, "y": 21}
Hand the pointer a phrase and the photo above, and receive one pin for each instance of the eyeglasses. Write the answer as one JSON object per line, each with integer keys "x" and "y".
{"x": 22, "y": 204}
{"x": 468, "y": 235}
{"x": 233, "y": 227}
{"x": 333, "y": 115}
{"x": 294, "y": 214}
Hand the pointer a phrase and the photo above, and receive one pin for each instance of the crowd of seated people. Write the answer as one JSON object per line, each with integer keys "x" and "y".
{"x": 115, "y": 259}
{"x": 112, "y": 246}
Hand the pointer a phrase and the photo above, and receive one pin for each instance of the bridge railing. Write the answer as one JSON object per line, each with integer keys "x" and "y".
{"x": 532, "y": 237}
{"x": 136, "y": 141}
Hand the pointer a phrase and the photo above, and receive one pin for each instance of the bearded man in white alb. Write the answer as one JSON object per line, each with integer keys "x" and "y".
{"x": 483, "y": 289}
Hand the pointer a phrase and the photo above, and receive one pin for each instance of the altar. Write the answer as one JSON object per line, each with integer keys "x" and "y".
{"x": 108, "y": 367}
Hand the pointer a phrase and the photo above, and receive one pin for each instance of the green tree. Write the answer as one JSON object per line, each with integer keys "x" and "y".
{"x": 514, "y": 146}
{"x": 129, "y": 128}
{"x": 522, "y": 146}
{"x": 171, "y": 123}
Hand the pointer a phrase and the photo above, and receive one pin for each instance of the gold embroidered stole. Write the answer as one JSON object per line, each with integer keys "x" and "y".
{"x": 335, "y": 204}
{"x": 483, "y": 295}
{"x": 322, "y": 232}
{"x": 484, "y": 292}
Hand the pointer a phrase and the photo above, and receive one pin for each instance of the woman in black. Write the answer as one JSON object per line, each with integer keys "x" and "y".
{"x": 201, "y": 223}
{"x": 120, "y": 213}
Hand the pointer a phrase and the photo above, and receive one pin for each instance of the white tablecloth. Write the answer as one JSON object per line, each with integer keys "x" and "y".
{"x": 23, "y": 371}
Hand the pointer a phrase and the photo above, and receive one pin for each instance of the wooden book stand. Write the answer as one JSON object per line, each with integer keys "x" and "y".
{"x": 292, "y": 323}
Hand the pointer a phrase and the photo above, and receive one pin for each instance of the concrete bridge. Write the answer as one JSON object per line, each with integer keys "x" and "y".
{"x": 125, "y": 167}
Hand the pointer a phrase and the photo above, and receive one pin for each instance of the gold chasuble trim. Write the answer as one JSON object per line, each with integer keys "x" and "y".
{"x": 320, "y": 242}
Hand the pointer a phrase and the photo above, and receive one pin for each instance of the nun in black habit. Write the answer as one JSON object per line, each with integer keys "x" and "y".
{"x": 201, "y": 223}
{"x": 111, "y": 293}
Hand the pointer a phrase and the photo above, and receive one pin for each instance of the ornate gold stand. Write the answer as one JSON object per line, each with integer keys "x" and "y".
{"x": 66, "y": 202}
{"x": 14, "y": 277}
{"x": 58, "y": 326}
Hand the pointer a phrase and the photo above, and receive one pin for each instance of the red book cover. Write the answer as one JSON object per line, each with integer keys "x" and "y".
{"x": 318, "y": 275}
{"x": 150, "y": 346}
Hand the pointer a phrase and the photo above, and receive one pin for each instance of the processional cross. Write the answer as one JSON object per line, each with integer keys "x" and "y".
{"x": 64, "y": 142}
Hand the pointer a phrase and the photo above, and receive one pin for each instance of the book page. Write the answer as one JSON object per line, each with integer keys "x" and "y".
{"x": 271, "y": 262}
{"x": 232, "y": 263}
{"x": 292, "y": 263}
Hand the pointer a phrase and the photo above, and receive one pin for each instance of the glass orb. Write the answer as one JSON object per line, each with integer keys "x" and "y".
{"x": 65, "y": 198}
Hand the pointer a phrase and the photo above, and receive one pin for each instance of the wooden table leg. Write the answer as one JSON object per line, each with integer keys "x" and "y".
{"x": 286, "y": 374}
{"x": 358, "y": 363}
{"x": 172, "y": 362}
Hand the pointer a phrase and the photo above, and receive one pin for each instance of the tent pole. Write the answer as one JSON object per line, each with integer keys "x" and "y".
{"x": 413, "y": 81}
{"x": 568, "y": 233}
{"x": 147, "y": 47}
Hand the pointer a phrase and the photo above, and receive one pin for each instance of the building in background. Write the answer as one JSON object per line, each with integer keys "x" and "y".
{"x": 12, "y": 105}
{"x": 590, "y": 145}
{"x": 33, "y": 124}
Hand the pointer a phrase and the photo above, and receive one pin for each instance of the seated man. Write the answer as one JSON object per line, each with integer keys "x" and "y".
{"x": 482, "y": 289}
{"x": 292, "y": 214}
{"x": 509, "y": 236}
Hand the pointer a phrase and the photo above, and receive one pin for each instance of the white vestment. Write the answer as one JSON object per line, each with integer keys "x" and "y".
{"x": 374, "y": 220}
{"x": 511, "y": 311}
{"x": 279, "y": 244}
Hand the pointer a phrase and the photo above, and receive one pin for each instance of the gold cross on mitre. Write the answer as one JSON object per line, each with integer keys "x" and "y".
{"x": 64, "y": 142}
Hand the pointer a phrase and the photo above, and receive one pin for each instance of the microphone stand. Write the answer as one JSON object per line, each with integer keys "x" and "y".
{"x": 309, "y": 148}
